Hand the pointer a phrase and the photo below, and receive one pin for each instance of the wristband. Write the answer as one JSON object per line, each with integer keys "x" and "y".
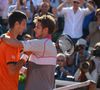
{"x": 22, "y": 70}
{"x": 24, "y": 57}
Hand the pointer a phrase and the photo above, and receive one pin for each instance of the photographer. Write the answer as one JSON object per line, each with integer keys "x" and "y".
{"x": 87, "y": 71}
{"x": 96, "y": 53}
{"x": 94, "y": 29}
{"x": 81, "y": 54}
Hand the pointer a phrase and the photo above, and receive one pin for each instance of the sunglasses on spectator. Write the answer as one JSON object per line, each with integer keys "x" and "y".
{"x": 76, "y": 2}
{"x": 60, "y": 60}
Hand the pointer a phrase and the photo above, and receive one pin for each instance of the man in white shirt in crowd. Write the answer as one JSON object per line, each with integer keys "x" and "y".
{"x": 74, "y": 17}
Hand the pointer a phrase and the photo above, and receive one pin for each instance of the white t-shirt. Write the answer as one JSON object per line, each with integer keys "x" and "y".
{"x": 74, "y": 21}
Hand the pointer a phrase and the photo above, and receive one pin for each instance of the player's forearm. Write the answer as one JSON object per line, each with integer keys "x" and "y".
{"x": 15, "y": 68}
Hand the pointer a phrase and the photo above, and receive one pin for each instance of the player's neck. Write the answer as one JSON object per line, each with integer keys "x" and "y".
{"x": 47, "y": 36}
{"x": 13, "y": 33}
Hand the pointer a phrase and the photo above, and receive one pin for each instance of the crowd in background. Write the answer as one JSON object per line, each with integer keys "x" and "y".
{"x": 84, "y": 63}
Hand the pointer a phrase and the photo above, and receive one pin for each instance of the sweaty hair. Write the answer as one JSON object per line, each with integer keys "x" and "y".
{"x": 47, "y": 21}
{"x": 16, "y": 16}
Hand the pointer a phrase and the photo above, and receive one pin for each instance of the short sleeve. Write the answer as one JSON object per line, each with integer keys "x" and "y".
{"x": 12, "y": 55}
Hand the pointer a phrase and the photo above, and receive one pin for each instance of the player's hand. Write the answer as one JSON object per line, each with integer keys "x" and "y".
{"x": 28, "y": 53}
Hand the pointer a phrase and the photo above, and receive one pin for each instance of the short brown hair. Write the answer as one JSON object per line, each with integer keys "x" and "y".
{"x": 47, "y": 21}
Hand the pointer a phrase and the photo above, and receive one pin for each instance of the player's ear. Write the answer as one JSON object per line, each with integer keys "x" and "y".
{"x": 46, "y": 30}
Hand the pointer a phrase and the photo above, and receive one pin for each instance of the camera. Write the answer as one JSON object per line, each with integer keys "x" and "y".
{"x": 85, "y": 65}
{"x": 96, "y": 52}
{"x": 79, "y": 47}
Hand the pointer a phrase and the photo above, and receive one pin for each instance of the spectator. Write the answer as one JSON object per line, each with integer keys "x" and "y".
{"x": 94, "y": 30}
{"x": 20, "y": 5}
{"x": 3, "y": 12}
{"x": 44, "y": 9}
{"x": 88, "y": 18}
{"x": 74, "y": 18}
{"x": 61, "y": 72}
{"x": 11, "y": 6}
{"x": 27, "y": 37}
{"x": 87, "y": 71}
{"x": 70, "y": 67}
{"x": 96, "y": 58}
{"x": 81, "y": 54}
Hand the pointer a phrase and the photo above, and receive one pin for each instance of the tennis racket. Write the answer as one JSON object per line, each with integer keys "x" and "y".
{"x": 66, "y": 44}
